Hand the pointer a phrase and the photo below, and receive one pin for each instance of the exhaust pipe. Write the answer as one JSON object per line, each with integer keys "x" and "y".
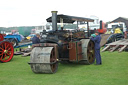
{"x": 54, "y": 20}
{"x": 101, "y": 27}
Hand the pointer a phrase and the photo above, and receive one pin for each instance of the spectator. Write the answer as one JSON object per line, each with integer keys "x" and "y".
{"x": 36, "y": 39}
{"x": 126, "y": 34}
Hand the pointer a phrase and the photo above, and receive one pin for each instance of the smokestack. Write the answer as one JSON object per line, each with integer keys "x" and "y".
{"x": 101, "y": 24}
{"x": 54, "y": 20}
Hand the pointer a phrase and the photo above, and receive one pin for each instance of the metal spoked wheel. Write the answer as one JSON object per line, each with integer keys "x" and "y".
{"x": 6, "y": 51}
{"x": 88, "y": 50}
{"x": 91, "y": 52}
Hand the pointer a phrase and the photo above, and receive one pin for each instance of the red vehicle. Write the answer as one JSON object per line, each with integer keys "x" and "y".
{"x": 102, "y": 29}
{"x": 6, "y": 50}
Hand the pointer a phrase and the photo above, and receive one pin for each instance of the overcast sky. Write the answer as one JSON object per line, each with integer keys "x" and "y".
{"x": 35, "y": 12}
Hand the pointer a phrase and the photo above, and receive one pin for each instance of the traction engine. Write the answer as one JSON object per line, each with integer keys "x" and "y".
{"x": 61, "y": 46}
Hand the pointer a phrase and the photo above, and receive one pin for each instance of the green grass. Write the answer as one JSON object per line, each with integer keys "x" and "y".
{"x": 113, "y": 71}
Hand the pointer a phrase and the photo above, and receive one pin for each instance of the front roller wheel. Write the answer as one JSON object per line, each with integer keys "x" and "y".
{"x": 44, "y": 60}
{"x": 6, "y": 51}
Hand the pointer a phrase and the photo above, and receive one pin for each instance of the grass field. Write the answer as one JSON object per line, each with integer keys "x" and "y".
{"x": 113, "y": 71}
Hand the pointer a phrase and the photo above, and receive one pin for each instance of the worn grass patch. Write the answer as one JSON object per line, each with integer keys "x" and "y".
{"x": 113, "y": 71}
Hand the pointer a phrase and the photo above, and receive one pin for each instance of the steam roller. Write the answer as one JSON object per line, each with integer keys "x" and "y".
{"x": 6, "y": 50}
{"x": 62, "y": 46}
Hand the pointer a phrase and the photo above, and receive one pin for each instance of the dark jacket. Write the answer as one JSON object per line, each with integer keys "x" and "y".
{"x": 96, "y": 40}
{"x": 35, "y": 40}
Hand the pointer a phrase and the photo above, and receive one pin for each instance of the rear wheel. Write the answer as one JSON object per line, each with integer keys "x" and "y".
{"x": 88, "y": 50}
{"x": 14, "y": 42}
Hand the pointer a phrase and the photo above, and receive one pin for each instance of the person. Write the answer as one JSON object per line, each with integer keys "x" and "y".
{"x": 97, "y": 40}
{"x": 117, "y": 30}
{"x": 36, "y": 39}
{"x": 93, "y": 35}
{"x": 126, "y": 34}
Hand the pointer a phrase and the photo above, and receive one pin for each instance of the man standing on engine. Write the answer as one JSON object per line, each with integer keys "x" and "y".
{"x": 36, "y": 39}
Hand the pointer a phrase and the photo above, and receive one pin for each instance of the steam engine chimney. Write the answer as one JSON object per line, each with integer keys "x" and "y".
{"x": 54, "y": 20}
{"x": 101, "y": 27}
